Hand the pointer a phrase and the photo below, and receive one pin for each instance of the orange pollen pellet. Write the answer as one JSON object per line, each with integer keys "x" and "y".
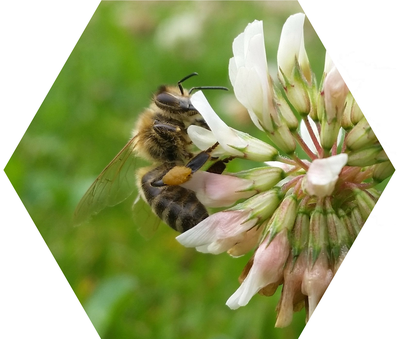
{"x": 177, "y": 175}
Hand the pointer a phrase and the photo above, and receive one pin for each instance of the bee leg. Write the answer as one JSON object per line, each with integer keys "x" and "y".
{"x": 219, "y": 166}
{"x": 164, "y": 129}
{"x": 184, "y": 172}
{"x": 181, "y": 174}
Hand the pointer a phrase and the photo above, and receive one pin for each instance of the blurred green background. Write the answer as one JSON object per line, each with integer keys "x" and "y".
{"x": 132, "y": 287}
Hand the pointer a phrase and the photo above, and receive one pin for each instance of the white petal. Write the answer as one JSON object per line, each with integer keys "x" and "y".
{"x": 328, "y": 64}
{"x": 323, "y": 175}
{"x": 290, "y": 43}
{"x": 267, "y": 268}
{"x": 222, "y": 132}
{"x": 220, "y": 225}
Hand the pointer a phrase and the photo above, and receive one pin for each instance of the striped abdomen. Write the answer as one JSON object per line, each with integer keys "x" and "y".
{"x": 178, "y": 207}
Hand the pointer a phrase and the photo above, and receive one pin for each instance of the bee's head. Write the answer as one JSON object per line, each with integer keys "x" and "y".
{"x": 177, "y": 100}
{"x": 171, "y": 100}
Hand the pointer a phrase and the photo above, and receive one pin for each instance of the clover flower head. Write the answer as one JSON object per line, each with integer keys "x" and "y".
{"x": 301, "y": 208}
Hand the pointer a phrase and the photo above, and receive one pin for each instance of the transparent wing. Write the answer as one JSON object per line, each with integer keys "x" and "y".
{"x": 144, "y": 218}
{"x": 115, "y": 184}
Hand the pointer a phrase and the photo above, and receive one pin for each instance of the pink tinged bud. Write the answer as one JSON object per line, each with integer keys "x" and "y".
{"x": 216, "y": 190}
{"x": 333, "y": 99}
{"x": 335, "y": 92}
{"x": 267, "y": 268}
{"x": 316, "y": 280}
{"x": 291, "y": 295}
{"x": 248, "y": 241}
{"x": 323, "y": 175}
{"x": 219, "y": 232}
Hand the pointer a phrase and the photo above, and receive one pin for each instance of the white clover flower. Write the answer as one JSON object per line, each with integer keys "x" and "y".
{"x": 231, "y": 141}
{"x": 304, "y": 204}
{"x": 293, "y": 64}
{"x": 215, "y": 190}
{"x": 323, "y": 175}
{"x": 267, "y": 268}
{"x": 292, "y": 48}
{"x": 249, "y": 75}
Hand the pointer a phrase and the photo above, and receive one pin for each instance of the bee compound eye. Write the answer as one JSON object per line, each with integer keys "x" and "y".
{"x": 167, "y": 99}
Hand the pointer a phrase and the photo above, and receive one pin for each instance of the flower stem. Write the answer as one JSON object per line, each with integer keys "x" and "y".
{"x": 301, "y": 163}
{"x": 313, "y": 137}
{"x": 284, "y": 160}
{"x": 304, "y": 146}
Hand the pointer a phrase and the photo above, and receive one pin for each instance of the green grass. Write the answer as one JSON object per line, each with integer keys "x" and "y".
{"x": 129, "y": 286}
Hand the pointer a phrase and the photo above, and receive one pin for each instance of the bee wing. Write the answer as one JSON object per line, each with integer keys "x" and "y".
{"x": 144, "y": 218}
{"x": 113, "y": 185}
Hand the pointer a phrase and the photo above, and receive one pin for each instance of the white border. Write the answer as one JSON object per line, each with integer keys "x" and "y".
{"x": 37, "y": 38}
{"x": 36, "y": 301}
{"x": 360, "y": 37}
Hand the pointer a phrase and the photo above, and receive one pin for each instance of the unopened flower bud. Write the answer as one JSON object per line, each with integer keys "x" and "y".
{"x": 360, "y": 136}
{"x": 367, "y": 157}
{"x": 283, "y": 138}
{"x": 255, "y": 149}
{"x": 291, "y": 294}
{"x": 316, "y": 280}
{"x": 260, "y": 206}
{"x": 365, "y": 202}
{"x": 337, "y": 232}
{"x": 284, "y": 216}
{"x": 300, "y": 231}
{"x": 318, "y": 236}
{"x": 263, "y": 178}
{"x": 356, "y": 114}
{"x": 346, "y": 122}
{"x": 382, "y": 171}
{"x": 356, "y": 219}
{"x": 287, "y": 114}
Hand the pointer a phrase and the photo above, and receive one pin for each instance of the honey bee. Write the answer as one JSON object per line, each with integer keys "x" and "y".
{"x": 160, "y": 136}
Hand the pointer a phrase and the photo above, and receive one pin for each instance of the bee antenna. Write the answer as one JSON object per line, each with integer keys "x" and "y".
{"x": 183, "y": 79}
{"x": 207, "y": 87}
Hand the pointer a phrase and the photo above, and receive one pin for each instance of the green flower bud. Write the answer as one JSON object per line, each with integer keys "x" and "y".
{"x": 296, "y": 90}
{"x": 346, "y": 116}
{"x": 356, "y": 219}
{"x": 284, "y": 217}
{"x": 283, "y": 138}
{"x": 264, "y": 178}
{"x": 365, "y": 202}
{"x": 382, "y": 171}
{"x": 256, "y": 149}
{"x": 318, "y": 238}
{"x": 356, "y": 114}
{"x": 286, "y": 113}
{"x": 337, "y": 232}
{"x": 367, "y": 157}
{"x": 360, "y": 136}
{"x": 300, "y": 232}
{"x": 261, "y": 205}
{"x": 347, "y": 224}
{"x": 329, "y": 133}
